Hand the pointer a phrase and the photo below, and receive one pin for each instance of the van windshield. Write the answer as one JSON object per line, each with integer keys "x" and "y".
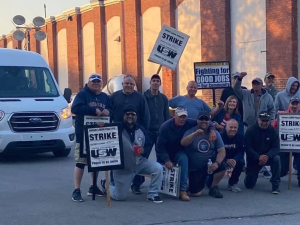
{"x": 19, "y": 81}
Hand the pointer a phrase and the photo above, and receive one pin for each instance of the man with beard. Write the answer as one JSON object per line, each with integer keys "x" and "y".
{"x": 134, "y": 140}
{"x": 193, "y": 104}
{"x": 93, "y": 102}
{"x": 294, "y": 107}
{"x": 199, "y": 151}
{"x": 270, "y": 86}
{"x": 262, "y": 148}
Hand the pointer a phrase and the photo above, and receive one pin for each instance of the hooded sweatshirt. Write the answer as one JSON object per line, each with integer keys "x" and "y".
{"x": 159, "y": 110}
{"x": 282, "y": 99}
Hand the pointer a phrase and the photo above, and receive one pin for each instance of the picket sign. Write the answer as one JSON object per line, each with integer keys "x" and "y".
{"x": 168, "y": 48}
{"x": 289, "y": 136}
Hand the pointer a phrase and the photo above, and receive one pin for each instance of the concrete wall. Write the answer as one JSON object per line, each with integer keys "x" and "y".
{"x": 113, "y": 46}
{"x": 62, "y": 59}
{"x": 248, "y": 36}
{"x": 88, "y": 51}
{"x": 189, "y": 22}
{"x": 150, "y": 28}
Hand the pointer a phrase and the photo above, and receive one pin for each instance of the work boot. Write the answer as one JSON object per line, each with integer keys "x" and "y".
{"x": 184, "y": 196}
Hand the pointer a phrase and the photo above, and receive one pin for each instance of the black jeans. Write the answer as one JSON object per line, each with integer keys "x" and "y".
{"x": 139, "y": 180}
{"x": 285, "y": 161}
{"x": 236, "y": 173}
{"x": 253, "y": 169}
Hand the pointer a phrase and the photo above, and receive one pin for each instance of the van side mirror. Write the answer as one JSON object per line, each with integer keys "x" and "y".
{"x": 68, "y": 94}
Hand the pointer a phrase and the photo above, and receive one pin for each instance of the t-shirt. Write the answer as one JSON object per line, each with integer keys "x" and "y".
{"x": 234, "y": 146}
{"x": 201, "y": 150}
{"x": 193, "y": 106}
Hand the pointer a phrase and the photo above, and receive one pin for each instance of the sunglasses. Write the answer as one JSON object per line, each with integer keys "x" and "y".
{"x": 96, "y": 76}
{"x": 130, "y": 114}
{"x": 204, "y": 118}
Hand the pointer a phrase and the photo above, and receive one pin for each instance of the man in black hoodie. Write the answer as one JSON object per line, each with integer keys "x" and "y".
{"x": 262, "y": 148}
{"x": 92, "y": 102}
{"x": 159, "y": 113}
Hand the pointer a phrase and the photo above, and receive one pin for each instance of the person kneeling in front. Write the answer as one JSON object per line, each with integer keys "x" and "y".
{"x": 200, "y": 151}
{"x": 262, "y": 148}
{"x": 135, "y": 140}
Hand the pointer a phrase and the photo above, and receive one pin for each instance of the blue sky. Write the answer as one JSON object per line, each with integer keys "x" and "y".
{"x": 31, "y": 8}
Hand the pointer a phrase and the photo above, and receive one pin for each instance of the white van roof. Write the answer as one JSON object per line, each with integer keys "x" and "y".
{"x": 16, "y": 57}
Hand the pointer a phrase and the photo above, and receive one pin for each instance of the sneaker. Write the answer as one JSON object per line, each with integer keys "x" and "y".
{"x": 214, "y": 192}
{"x": 275, "y": 190}
{"x": 184, "y": 196}
{"x": 155, "y": 199}
{"x": 103, "y": 188}
{"x": 234, "y": 188}
{"x": 98, "y": 192}
{"x": 76, "y": 196}
{"x": 136, "y": 190}
{"x": 267, "y": 175}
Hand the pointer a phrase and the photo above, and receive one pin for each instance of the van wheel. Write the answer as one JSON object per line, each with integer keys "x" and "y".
{"x": 62, "y": 153}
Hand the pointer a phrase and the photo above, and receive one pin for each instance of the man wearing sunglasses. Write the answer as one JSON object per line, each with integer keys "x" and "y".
{"x": 169, "y": 150}
{"x": 135, "y": 140}
{"x": 199, "y": 151}
{"x": 93, "y": 102}
{"x": 270, "y": 84}
{"x": 262, "y": 148}
{"x": 294, "y": 107}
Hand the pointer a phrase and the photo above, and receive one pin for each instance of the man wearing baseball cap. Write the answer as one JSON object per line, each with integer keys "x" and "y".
{"x": 199, "y": 151}
{"x": 262, "y": 148}
{"x": 229, "y": 92}
{"x": 254, "y": 101}
{"x": 90, "y": 101}
{"x": 294, "y": 107}
{"x": 270, "y": 86}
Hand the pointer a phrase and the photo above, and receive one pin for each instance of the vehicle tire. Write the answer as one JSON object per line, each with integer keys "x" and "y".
{"x": 62, "y": 153}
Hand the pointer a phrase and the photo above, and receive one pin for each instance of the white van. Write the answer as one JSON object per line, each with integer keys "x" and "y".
{"x": 34, "y": 115}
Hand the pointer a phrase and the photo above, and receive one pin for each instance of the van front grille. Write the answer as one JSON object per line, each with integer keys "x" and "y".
{"x": 34, "y": 122}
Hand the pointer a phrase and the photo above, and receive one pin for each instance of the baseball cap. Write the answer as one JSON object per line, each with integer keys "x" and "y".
{"x": 128, "y": 108}
{"x": 180, "y": 111}
{"x": 236, "y": 74}
{"x": 295, "y": 99}
{"x": 155, "y": 76}
{"x": 95, "y": 76}
{"x": 264, "y": 115}
{"x": 269, "y": 75}
{"x": 203, "y": 115}
{"x": 258, "y": 80}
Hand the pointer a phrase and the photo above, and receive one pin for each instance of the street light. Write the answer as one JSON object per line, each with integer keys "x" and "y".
{"x": 23, "y": 30}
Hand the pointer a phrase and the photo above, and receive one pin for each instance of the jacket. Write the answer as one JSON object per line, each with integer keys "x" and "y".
{"x": 141, "y": 139}
{"x": 266, "y": 103}
{"x": 261, "y": 142}
{"x": 118, "y": 101}
{"x": 273, "y": 92}
{"x": 282, "y": 99}
{"x": 219, "y": 118}
{"x": 85, "y": 103}
{"x": 158, "y": 108}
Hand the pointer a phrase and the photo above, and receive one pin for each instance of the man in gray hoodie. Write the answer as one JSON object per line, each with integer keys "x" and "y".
{"x": 254, "y": 101}
{"x": 134, "y": 141}
{"x": 283, "y": 98}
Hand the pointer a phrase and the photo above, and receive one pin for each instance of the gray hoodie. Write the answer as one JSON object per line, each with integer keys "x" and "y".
{"x": 266, "y": 103}
{"x": 282, "y": 99}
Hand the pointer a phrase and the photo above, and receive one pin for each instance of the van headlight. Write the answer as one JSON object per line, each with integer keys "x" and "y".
{"x": 2, "y": 114}
{"x": 65, "y": 113}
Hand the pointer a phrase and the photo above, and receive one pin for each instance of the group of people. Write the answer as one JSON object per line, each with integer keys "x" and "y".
{"x": 204, "y": 142}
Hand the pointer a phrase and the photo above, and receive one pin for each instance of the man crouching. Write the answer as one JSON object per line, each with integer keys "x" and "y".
{"x": 135, "y": 140}
{"x": 200, "y": 151}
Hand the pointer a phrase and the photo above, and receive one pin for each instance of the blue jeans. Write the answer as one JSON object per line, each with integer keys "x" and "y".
{"x": 123, "y": 179}
{"x": 139, "y": 180}
{"x": 182, "y": 160}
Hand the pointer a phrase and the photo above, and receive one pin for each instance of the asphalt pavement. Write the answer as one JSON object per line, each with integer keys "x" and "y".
{"x": 37, "y": 189}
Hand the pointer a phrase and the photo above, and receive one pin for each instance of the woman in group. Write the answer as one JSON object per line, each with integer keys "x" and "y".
{"x": 230, "y": 111}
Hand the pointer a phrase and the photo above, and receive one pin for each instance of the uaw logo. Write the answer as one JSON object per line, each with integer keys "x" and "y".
{"x": 104, "y": 152}
{"x": 203, "y": 146}
{"x": 166, "y": 51}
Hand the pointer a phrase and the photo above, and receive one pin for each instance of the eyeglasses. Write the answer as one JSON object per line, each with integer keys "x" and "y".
{"x": 204, "y": 118}
{"x": 130, "y": 114}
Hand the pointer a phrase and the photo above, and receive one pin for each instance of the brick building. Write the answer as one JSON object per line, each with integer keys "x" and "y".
{"x": 113, "y": 37}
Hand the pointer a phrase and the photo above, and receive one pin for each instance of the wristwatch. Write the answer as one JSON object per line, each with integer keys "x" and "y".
{"x": 217, "y": 163}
